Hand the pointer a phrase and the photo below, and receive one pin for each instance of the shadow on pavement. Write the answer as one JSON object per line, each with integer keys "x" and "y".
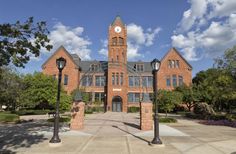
{"x": 15, "y": 136}
{"x": 148, "y": 142}
{"x": 132, "y": 125}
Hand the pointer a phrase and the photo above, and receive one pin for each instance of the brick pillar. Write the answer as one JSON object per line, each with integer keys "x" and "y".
{"x": 77, "y": 119}
{"x": 146, "y": 119}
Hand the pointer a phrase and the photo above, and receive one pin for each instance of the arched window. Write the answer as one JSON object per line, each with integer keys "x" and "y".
{"x": 121, "y": 41}
{"x": 114, "y": 41}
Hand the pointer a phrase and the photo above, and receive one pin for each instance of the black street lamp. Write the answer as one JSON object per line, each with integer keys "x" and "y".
{"x": 61, "y": 63}
{"x": 155, "y": 67}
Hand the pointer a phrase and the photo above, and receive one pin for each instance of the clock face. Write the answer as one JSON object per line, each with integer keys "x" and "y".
{"x": 117, "y": 29}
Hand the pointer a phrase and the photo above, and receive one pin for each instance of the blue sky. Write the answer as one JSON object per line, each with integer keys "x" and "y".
{"x": 199, "y": 29}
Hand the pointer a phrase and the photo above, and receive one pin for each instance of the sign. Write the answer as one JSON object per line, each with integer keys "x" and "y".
{"x": 116, "y": 89}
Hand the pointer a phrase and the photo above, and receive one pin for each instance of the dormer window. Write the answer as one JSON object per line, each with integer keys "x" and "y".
{"x": 139, "y": 67}
{"x": 94, "y": 67}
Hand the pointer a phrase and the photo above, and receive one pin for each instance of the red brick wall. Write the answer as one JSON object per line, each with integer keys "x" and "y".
{"x": 70, "y": 69}
{"x": 183, "y": 70}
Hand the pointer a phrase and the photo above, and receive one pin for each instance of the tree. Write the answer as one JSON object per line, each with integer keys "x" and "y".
{"x": 190, "y": 95}
{"x": 10, "y": 87}
{"x": 86, "y": 96}
{"x": 19, "y": 41}
{"x": 227, "y": 61}
{"x": 40, "y": 88}
{"x": 168, "y": 100}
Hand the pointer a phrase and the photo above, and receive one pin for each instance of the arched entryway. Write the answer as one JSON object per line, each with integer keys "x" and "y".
{"x": 117, "y": 104}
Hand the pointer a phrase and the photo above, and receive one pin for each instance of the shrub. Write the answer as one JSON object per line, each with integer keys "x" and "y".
{"x": 167, "y": 120}
{"x": 62, "y": 119}
{"x": 194, "y": 116}
{"x": 98, "y": 109}
{"x": 31, "y": 112}
{"x": 6, "y": 117}
{"x": 204, "y": 110}
{"x": 133, "y": 109}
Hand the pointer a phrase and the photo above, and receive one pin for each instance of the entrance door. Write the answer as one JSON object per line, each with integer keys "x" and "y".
{"x": 117, "y": 104}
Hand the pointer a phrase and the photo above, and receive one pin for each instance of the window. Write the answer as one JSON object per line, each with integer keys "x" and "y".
{"x": 133, "y": 97}
{"x": 134, "y": 81}
{"x": 117, "y": 78}
{"x": 177, "y": 64}
{"x": 180, "y": 80}
{"x": 121, "y": 41}
{"x": 117, "y": 58}
{"x": 168, "y": 84}
{"x": 93, "y": 67}
{"x": 172, "y": 63}
{"x": 139, "y": 67}
{"x": 169, "y": 63}
{"x": 121, "y": 78}
{"x": 113, "y": 78}
{"x": 147, "y": 97}
{"x": 65, "y": 79}
{"x": 174, "y": 80}
{"x": 100, "y": 80}
{"x": 114, "y": 41}
{"x": 87, "y": 80}
{"x": 99, "y": 97}
{"x": 147, "y": 81}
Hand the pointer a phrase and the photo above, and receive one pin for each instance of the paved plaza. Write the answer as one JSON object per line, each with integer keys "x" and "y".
{"x": 117, "y": 133}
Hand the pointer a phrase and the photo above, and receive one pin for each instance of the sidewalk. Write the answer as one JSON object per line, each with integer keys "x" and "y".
{"x": 118, "y": 133}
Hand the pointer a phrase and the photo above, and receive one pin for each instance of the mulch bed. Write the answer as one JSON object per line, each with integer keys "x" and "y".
{"x": 219, "y": 122}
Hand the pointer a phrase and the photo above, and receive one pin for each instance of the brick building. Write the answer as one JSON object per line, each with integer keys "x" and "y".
{"x": 117, "y": 82}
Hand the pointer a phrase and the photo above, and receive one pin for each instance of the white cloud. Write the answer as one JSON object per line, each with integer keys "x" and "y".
{"x": 104, "y": 51}
{"x": 207, "y": 29}
{"x": 137, "y": 38}
{"x": 71, "y": 39}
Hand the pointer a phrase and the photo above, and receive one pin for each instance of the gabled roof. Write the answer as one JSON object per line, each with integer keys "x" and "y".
{"x": 174, "y": 49}
{"x": 73, "y": 58}
{"x": 118, "y": 18}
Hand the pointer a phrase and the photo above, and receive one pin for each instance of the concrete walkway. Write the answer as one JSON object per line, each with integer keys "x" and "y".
{"x": 118, "y": 133}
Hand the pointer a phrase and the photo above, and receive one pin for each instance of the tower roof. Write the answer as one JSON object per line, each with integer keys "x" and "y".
{"x": 117, "y": 19}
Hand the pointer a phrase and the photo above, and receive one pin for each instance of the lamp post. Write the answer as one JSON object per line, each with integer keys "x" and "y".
{"x": 155, "y": 67}
{"x": 61, "y": 63}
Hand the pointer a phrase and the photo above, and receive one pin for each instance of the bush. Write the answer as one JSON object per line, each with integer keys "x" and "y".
{"x": 194, "y": 116}
{"x": 167, "y": 120}
{"x": 133, "y": 109}
{"x": 98, "y": 109}
{"x": 204, "y": 110}
{"x": 62, "y": 119}
{"x": 31, "y": 112}
{"x": 6, "y": 117}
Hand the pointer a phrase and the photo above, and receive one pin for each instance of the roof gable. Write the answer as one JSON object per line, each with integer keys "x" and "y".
{"x": 176, "y": 51}
{"x": 58, "y": 50}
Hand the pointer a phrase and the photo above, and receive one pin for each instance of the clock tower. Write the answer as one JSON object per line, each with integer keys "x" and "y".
{"x": 117, "y": 78}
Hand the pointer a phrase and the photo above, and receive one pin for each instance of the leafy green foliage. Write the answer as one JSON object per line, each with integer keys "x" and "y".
{"x": 86, "y": 97}
{"x": 168, "y": 100}
{"x": 6, "y": 117}
{"x": 190, "y": 95}
{"x": 133, "y": 109}
{"x": 227, "y": 61}
{"x": 10, "y": 87}
{"x": 217, "y": 87}
{"x": 40, "y": 88}
{"x": 20, "y": 41}
{"x": 167, "y": 120}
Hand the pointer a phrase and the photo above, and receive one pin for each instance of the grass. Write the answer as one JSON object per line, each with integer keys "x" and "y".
{"x": 167, "y": 120}
{"x": 8, "y": 117}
